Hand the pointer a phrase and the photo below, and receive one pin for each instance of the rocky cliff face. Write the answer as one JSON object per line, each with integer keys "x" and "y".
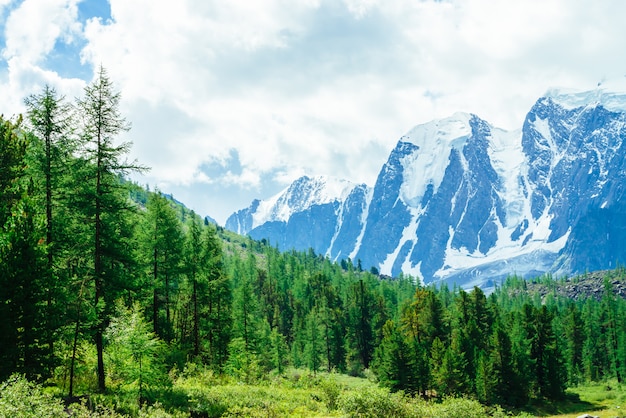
{"x": 463, "y": 201}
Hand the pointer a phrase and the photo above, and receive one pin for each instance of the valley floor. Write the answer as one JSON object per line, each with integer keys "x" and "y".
{"x": 298, "y": 393}
{"x": 603, "y": 400}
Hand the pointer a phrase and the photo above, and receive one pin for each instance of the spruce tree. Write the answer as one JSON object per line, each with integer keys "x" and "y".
{"x": 12, "y": 165}
{"x": 217, "y": 328}
{"x": 50, "y": 120}
{"x": 163, "y": 250}
{"x": 197, "y": 286}
{"x": 554, "y": 372}
{"x": 574, "y": 340}
{"x": 360, "y": 336}
{"x": 393, "y": 364}
{"x": 313, "y": 347}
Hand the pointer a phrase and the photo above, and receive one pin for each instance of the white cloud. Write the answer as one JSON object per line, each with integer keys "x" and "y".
{"x": 31, "y": 31}
{"x": 230, "y": 96}
{"x": 35, "y": 26}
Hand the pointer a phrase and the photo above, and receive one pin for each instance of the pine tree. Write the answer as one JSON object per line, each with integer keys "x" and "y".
{"x": 523, "y": 364}
{"x": 279, "y": 351}
{"x": 466, "y": 336}
{"x": 246, "y": 306}
{"x": 12, "y": 166}
{"x": 501, "y": 372}
{"x": 24, "y": 283}
{"x": 449, "y": 377}
{"x": 195, "y": 285}
{"x": 610, "y": 325}
{"x": 549, "y": 371}
{"x": 420, "y": 333}
{"x": 486, "y": 379}
{"x": 555, "y": 374}
{"x": 574, "y": 340}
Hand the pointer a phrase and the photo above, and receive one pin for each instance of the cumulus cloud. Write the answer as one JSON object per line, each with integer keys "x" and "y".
{"x": 31, "y": 31}
{"x": 232, "y": 100}
{"x": 35, "y": 26}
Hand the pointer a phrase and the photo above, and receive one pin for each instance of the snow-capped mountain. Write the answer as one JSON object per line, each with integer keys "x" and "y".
{"x": 322, "y": 213}
{"x": 463, "y": 201}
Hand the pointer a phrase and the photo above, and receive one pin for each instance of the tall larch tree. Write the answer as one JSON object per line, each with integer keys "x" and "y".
{"x": 107, "y": 200}
{"x": 49, "y": 117}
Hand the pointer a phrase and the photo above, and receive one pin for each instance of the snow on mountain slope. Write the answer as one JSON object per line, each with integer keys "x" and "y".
{"x": 611, "y": 96}
{"x": 427, "y": 167}
{"x": 323, "y": 213}
{"x": 300, "y": 195}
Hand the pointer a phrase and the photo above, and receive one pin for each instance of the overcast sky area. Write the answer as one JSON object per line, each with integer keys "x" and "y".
{"x": 232, "y": 100}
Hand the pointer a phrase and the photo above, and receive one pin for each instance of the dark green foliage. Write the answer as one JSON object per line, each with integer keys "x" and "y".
{"x": 394, "y": 361}
{"x": 163, "y": 252}
{"x": 313, "y": 347}
{"x": 449, "y": 372}
{"x": 12, "y": 166}
{"x": 23, "y": 294}
{"x": 50, "y": 148}
{"x": 361, "y": 310}
{"x": 23, "y": 281}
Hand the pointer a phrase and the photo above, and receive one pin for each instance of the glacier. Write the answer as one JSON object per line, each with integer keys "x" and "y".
{"x": 464, "y": 202}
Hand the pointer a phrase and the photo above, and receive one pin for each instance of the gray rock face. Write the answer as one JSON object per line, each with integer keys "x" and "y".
{"x": 462, "y": 201}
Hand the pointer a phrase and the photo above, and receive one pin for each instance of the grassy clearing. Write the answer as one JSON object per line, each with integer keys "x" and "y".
{"x": 303, "y": 394}
{"x": 604, "y": 400}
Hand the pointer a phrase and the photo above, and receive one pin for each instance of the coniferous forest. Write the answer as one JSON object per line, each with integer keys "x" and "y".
{"x": 124, "y": 301}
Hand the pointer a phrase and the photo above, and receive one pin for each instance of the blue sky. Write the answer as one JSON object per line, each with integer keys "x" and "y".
{"x": 232, "y": 100}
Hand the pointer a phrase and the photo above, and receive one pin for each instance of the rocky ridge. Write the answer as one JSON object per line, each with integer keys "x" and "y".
{"x": 588, "y": 285}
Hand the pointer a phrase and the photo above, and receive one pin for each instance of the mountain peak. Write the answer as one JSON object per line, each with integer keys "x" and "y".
{"x": 610, "y": 94}
{"x": 434, "y": 140}
{"x": 300, "y": 195}
{"x": 448, "y": 132}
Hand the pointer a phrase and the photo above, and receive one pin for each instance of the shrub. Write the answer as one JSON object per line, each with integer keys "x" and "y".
{"x": 456, "y": 408}
{"x": 24, "y": 399}
{"x": 374, "y": 402}
{"x": 331, "y": 390}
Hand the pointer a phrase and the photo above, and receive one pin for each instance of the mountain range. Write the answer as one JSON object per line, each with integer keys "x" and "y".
{"x": 462, "y": 201}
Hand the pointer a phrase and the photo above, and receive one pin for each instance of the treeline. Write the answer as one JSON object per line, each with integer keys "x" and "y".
{"x": 106, "y": 285}
{"x": 509, "y": 348}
